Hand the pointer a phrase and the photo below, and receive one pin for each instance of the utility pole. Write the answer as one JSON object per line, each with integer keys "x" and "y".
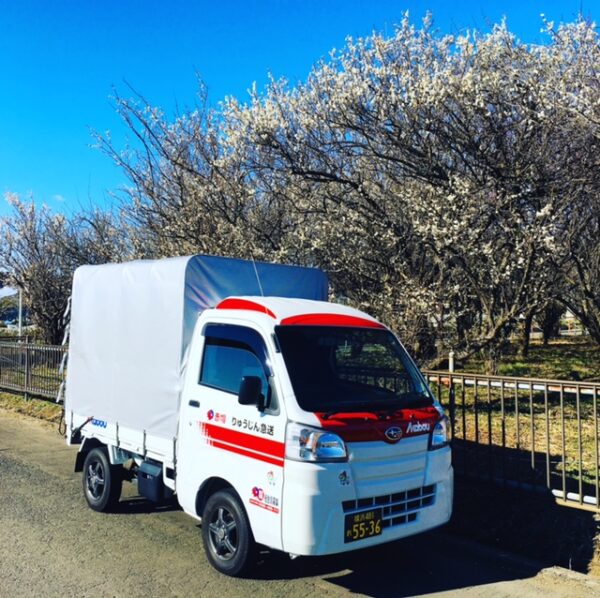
{"x": 20, "y": 312}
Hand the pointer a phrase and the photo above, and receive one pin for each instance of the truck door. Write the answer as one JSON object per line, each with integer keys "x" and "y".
{"x": 238, "y": 443}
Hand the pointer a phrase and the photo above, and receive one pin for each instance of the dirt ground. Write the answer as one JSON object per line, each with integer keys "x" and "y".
{"x": 52, "y": 545}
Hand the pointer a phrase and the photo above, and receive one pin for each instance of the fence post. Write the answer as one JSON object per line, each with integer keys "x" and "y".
{"x": 451, "y": 362}
{"x": 452, "y": 407}
{"x": 27, "y": 371}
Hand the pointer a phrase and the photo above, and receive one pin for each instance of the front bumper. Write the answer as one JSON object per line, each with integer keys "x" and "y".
{"x": 318, "y": 498}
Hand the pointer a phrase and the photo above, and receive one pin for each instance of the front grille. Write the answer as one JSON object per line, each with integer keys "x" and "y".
{"x": 398, "y": 508}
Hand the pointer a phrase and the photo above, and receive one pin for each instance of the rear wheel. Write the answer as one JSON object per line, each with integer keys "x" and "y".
{"x": 226, "y": 533}
{"x": 102, "y": 481}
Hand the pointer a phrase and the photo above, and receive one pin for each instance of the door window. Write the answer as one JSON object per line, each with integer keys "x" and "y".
{"x": 230, "y": 353}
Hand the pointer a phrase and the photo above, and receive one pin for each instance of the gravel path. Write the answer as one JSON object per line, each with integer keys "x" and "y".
{"x": 51, "y": 544}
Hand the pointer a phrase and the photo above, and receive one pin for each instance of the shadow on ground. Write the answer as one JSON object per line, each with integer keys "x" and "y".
{"x": 530, "y": 524}
{"x": 501, "y": 500}
{"x": 420, "y": 565}
{"x": 139, "y": 504}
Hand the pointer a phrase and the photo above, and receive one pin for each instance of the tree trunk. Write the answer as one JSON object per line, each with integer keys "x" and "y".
{"x": 492, "y": 360}
{"x": 549, "y": 319}
{"x": 526, "y": 334}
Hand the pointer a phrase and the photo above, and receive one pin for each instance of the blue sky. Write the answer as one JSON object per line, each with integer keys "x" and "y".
{"x": 60, "y": 60}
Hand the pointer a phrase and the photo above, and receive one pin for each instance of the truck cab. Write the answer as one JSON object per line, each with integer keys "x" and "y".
{"x": 313, "y": 417}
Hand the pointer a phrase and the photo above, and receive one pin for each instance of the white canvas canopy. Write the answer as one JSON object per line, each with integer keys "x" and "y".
{"x": 131, "y": 324}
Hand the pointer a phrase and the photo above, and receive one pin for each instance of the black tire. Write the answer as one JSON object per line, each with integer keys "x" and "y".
{"x": 102, "y": 481}
{"x": 226, "y": 534}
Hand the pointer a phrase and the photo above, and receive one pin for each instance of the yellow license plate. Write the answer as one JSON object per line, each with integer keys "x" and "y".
{"x": 365, "y": 524}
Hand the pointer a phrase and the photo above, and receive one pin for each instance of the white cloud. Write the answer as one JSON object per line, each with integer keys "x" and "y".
{"x": 5, "y": 291}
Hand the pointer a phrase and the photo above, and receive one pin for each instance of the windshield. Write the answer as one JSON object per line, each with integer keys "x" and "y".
{"x": 337, "y": 369}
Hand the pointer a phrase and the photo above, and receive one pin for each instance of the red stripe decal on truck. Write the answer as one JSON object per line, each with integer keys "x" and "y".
{"x": 248, "y": 445}
{"x": 234, "y": 303}
{"x": 330, "y": 320}
{"x": 244, "y": 453}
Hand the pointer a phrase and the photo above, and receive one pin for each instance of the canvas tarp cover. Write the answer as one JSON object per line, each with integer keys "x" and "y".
{"x": 131, "y": 324}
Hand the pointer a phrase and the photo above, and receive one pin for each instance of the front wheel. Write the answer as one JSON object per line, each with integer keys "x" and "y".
{"x": 226, "y": 534}
{"x": 102, "y": 481}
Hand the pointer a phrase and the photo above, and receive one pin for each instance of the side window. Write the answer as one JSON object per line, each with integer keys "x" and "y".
{"x": 230, "y": 353}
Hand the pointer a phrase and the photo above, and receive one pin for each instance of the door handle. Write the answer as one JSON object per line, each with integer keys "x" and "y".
{"x": 194, "y": 403}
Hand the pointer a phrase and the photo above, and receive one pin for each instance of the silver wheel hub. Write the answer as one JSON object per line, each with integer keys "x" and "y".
{"x": 95, "y": 479}
{"x": 223, "y": 534}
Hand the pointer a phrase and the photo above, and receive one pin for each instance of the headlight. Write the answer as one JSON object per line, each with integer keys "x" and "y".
{"x": 439, "y": 435}
{"x": 303, "y": 443}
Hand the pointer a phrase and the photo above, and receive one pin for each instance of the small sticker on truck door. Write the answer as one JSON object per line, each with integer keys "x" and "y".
{"x": 264, "y": 501}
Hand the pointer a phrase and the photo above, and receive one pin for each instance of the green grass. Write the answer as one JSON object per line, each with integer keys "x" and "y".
{"x": 40, "y": 408}
{"x": 563, "y": 359}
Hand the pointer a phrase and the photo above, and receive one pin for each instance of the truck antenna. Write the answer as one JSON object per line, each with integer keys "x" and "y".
{"x": 262, "y": 294}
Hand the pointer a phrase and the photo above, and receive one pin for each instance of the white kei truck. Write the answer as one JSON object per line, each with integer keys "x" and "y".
{"x": 275, "y": 417}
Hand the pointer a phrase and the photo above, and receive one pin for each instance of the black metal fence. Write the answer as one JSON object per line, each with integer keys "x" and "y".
{"x": 31, "y": 369}
{"x": 536, "y": 434}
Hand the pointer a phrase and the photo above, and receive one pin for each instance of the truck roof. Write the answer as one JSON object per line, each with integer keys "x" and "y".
{"x": 301, "y": 312}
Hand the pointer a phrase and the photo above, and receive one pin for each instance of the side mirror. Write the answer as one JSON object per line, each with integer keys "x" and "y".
{"x": 250, "y": 392}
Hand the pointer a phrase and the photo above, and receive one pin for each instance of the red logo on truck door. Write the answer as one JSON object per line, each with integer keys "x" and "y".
{"x": 218, "y": 417}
